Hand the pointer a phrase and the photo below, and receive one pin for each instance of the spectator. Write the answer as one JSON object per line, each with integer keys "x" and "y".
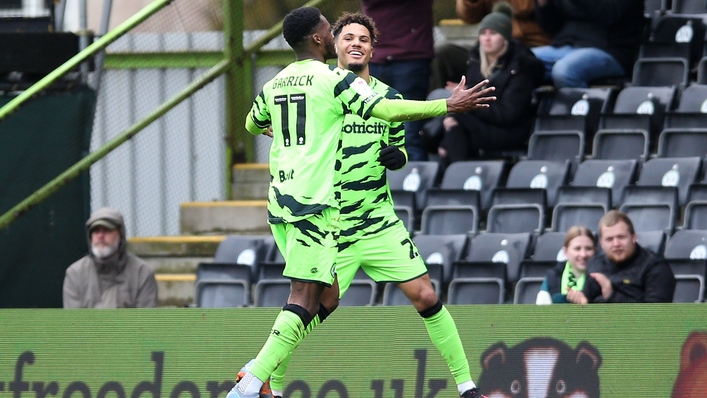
{"x": 404, "y": 51}
{"x": 109, "y": 276}
{"x": 513, "y": 69}
{"x": 450, "y": 59}
{"x": 578, "y": 249}
{"x": 592, "y": 39}
{"x": 625, "y": 272}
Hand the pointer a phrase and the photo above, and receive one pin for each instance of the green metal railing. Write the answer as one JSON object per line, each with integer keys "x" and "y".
{"x": 235, "y": 62}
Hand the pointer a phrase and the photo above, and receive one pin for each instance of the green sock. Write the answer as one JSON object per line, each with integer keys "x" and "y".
{"x": 277, "y": 378}
{"x": 288, "y": 331}
{"x": 444, "y": 335}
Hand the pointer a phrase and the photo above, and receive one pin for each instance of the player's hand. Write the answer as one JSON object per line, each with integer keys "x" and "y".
{"x": 463, "y": 100}
{"x": 268, "y": 131}
{"x": 391, "y": 157}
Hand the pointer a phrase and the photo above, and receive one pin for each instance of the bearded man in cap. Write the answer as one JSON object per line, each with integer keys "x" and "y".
{"x": 109, "y": 276}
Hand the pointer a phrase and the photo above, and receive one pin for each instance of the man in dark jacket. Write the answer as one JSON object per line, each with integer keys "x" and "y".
{"x": 625, "y": 272}
{"x": 592, "y": 39}
{"x": 109, "y": 276}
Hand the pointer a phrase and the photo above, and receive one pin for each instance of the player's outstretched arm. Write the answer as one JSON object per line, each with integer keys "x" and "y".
{"x": 464, "y": 100}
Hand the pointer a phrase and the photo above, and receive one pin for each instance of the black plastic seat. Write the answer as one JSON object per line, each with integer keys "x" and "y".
{"x": 556, "y": 145}
{"x": 689, "y": 289}
{"x": 686, "y": 252}
{"x": 476, "y": 291}
{"x": 449, "y": 220}
{"x": 652, "y": 240}
{"x": 639, "y": 108}
{"x": 361, "y": 292}
{"x": 661, "y": 72}
{"x": 688, "y": 7}
{"x": 546, "y": 254}
{"x": 696, "y": 215}
{"x": 271, "y": 292}
{"x": 409, "y": 186}
{"x": 480, "y": 176}
{"x": 539, "y": 174}
{"x": 671, "y": 172}
{"x": 516, "y": 218}
{"x": 574, "y": 109}
{"x": 611, "y": 174}
{"x": 526, "y": 290}
{"x": 487, "y": 251}
{"x": 567, "y": 215}
{"x": 621, "y": 144}
{"x": 682, "y": 142}
{"x": 691, "y": 112}
{"x": 439, "y": 252}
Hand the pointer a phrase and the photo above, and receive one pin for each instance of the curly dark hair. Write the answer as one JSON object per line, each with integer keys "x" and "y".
{"x": 355, "y": 17}
{"x": 300, "y": 23}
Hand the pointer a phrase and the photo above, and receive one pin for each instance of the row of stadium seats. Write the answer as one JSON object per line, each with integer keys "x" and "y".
{"x": 486, "y": 268}
{"x": 537, "y": 194}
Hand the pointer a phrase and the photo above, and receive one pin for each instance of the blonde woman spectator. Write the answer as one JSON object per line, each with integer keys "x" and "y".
{"x": 578, "y": 247}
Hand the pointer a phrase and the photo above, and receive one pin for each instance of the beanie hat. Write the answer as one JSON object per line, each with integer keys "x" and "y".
{"x": 499, "y": 20}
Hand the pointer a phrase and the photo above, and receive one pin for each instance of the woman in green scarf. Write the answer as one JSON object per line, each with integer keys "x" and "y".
{"x": 579, "y": 246}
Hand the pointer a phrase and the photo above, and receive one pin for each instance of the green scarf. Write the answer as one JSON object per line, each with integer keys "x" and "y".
{"x": 569, "y": 280}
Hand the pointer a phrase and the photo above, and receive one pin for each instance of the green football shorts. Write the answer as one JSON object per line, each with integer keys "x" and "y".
{"x": 309, "y": 246}
{"x": 388, "y": 256}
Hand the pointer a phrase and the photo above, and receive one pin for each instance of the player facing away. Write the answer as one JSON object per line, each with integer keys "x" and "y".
{"x": 305, "y": 105}
{"x": 372, "y": 236}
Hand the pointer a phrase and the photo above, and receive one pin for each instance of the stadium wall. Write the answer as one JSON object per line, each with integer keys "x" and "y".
{"x": 602, "y": 350}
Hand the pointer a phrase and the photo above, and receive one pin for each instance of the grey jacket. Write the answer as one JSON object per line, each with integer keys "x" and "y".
{"x": 120, "y": 281}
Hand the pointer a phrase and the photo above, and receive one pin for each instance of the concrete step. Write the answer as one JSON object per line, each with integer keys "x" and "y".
{"x": 250, "y": 181}
{"x": 224, "y": 217}
{"x": 174, "y": 260}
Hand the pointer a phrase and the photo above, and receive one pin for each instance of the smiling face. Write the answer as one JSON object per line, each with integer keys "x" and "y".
{"x": 618, "y": 242}
{"x": 578, "y": 252}
{"x": 354, "y": 47}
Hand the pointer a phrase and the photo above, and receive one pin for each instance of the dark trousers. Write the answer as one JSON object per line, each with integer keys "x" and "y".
{"x": 411, "y": 79}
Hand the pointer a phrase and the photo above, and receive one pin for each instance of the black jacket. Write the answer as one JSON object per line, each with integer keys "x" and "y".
{"x": 516, "y": 74}
{"x": 643, "y": 278}
{"x": 615, "y": 26}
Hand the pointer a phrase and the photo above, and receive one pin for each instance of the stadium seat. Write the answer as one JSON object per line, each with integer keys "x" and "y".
{"x": 621, "y": 144}
{"x": 227, "y": 280}
{"x": 585, "y": 195}
{"x": 439, "y": 252}
{"x": 689, "y": 289}
{"x": 415, "y": 176}
{"x": 480, "y": 176}
{"x": 691, "y": 111}
{"x": 539, "y": 174}
{"x": 671, "y": 172}
{"x": 546, "y": 254}
{"x": 220, "y": 285}
{"x": 360, "y": 292}
{"x": 613, "y": 174}
{"x": 696, "y": 215}
{"x": 686, "y": 252}
{"x": 688, "y": 7}
{"x": 449, "y": 220}
{"x": 488, "y": 250}
{"x": 516, "y": 218}
{"x": 653, "y": 7}
{"x": 650, "y": 216}
{"x": 556, "y": 145}
{"x": 697, "y": 192}
{"x": 652, "y": 240}
{"x": 567, "y": 215}
{"x": 640, "y": 108}
{"x": 476, "y": 291}
{"x": 271, "y": 292}
{"x": 661, "y": 72}
{"x": 682, "y": 142}
{"x": 526, "y": 290}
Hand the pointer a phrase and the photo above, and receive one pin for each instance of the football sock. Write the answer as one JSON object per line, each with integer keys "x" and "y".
{"x": 278, "y": 375}
{"x": 288, "y": 330}
{"x": 445, "y": 336}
